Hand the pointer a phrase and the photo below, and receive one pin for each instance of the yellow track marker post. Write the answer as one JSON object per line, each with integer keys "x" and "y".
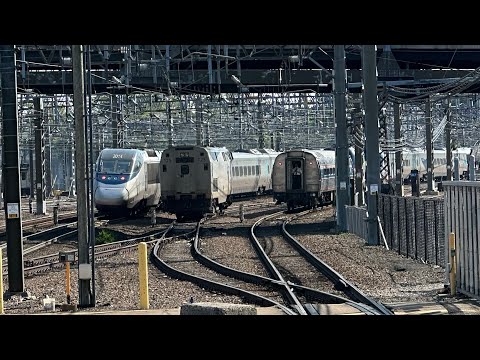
{"x": 453, "y": 264}
{"x": 67, "y": 275}
{"x": 143, "y": 274}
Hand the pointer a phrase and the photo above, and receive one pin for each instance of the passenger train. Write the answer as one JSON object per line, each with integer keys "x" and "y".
{"x": 198, "y": 180}
{"x": 304, "y": 177}
{"x": 417, "y": 160}
{"x": 127, "y": 180}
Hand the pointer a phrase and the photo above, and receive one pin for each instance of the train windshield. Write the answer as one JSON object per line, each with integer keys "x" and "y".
{"x": 116, "y": 163}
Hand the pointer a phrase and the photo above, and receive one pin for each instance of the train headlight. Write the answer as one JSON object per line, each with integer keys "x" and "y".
{"x": 279, "y": 163}
{"x": 104, "y": 177}
{"x": 122, "y": 177}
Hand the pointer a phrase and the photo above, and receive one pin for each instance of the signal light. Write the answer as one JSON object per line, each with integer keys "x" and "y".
{"x": 104, "y": 177}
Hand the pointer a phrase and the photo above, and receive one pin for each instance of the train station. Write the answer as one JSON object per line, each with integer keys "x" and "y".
{"x": 240, "y": 180}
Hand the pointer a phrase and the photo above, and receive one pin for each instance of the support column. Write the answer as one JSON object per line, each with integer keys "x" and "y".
{"x": 39, "y": 157}
{"x": 84, "y": 268}
{"x": 73, "y": 186}
{"x": 429, "y": 148}
{"x": 471, "y": 167}
{"x": 31, "y": 145}
{"x": 208, "y": 138}
{"x": 398, "y": 153}
{"x": 261, "y": 134}
{"x": 114, "y": 107}
{"x": 48, "y": 156}
{"x": 10, "y": 169}
{"x": 456, "y": 169}
{"x": 372, "y": 146}
{"x": 198, "y": 120}
{"x": 121, "y": 122}
{"x": 448, "y": 143}
{"x": 359, "y": 149}
{"x": 278, "y": 140}
{"x": 341, "y": 148}
{"x": 169, "y": 122}
{"x": 240, "y": 98}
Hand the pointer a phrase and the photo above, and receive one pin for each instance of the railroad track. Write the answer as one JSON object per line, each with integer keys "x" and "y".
{"x": 340, "y": 283}
{"x": 51, "y": 262}
{"x": 276, "y": 282}
{"x": 217, "y": 284}
{"x": 44, "y": 219}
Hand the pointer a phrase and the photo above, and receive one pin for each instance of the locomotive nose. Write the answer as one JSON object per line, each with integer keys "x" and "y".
{"x": 111, "y": 196}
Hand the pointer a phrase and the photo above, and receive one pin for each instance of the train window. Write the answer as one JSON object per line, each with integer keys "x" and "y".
{"x": 215, "y": 184}
{"x": 106, "y": 166}
{"x": 257, "y": 170}
{"x": 167, "y": 155}
{"x": 184, "y": 169}
{"x": 241, "y": 170}
{"x": 164, "y": 168}
{"x": 245, "y": 171}
{"x": 214, "y": 155}
{"x": 123, "y": 168}
{"x": 137, "y": 166}
{"x": 120, "y": 167}
{"x": 224, "y": 156}
{"x": 249, "y": 169}
{"x": 205, "y": 166}
{"x": 201, "y": 154}
{"x": 237, "y": 172}
{"x": 24, "y": 176}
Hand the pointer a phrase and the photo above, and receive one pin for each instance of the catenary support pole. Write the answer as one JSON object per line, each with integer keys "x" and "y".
{"x": 429, "y": 147}
{"x": 448, "y": 143}
{"x": 10, "y": 169}
{"x": 84, "y": 268}
{"x": 341, "y": 148}
{"x": 398, "y": 154}
{"x": 372, "y": 146}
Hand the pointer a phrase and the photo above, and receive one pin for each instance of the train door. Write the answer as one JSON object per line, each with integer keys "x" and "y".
{"x": 227, "y": 157}
{"x": 295, "y": 174}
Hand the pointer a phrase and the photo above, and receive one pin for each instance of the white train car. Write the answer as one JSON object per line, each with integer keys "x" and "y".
{"x": 197, "y": 180}
{"x": 127, "y": 180}
{"x": 417, "y": 160}
{"x": 252, "y": 174}
{"x": 304, "y": 177}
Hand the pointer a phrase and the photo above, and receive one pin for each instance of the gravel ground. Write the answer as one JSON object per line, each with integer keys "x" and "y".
{"x": 384, "y": 275}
